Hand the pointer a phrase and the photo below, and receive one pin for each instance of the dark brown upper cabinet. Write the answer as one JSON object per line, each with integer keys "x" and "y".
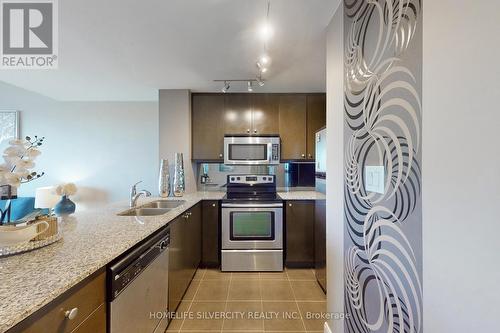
{"x": 316, "y": 119}
{"x": 292, "y": 126}
{"x": 207, "y": 127}
{"x": 265, "y": 113}
{"x": 251, "y": 114}
{"x": 237, "y": 114}
{"x": 295, "y": 117}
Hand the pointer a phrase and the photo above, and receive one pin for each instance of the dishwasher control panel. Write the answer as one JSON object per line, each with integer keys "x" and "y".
{"x": 128, "y": 268}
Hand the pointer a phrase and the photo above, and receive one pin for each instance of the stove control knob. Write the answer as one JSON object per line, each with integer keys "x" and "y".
{"x": 232, "y": 179}
{"x": 238, "y": 178}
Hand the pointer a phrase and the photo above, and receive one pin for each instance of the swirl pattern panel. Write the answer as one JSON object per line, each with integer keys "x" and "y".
{"x": 382, "y": 127}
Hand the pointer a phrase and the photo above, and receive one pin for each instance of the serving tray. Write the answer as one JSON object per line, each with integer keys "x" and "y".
{"x": 29, "y": 246}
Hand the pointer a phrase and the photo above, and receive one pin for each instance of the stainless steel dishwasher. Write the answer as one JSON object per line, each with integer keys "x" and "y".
{"x": 138, "y": 288}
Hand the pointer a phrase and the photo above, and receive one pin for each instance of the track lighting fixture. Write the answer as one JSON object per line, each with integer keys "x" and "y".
{"x": 264, "y": 61}
{"x": 249, "y": 83}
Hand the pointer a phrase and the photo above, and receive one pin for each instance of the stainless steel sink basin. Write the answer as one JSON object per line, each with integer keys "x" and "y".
{"x": 164, "y": 204}
{"x": 145, "y": 212}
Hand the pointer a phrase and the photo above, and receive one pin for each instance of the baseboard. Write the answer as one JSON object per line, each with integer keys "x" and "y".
{"x": 327, "y": 328}
{"x": 299, "y": 264}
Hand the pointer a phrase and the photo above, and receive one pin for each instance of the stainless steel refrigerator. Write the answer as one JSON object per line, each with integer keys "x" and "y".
{"x": 320, "y": 211}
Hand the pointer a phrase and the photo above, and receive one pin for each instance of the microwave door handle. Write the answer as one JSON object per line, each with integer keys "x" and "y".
{"x": 269, "y": 152}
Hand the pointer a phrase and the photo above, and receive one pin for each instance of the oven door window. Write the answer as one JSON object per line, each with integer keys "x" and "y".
{"x": 251, "y": 226}
{"x": 248, "y": 152}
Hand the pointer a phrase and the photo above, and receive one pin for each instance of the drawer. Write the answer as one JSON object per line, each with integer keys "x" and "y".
{"x": 87, "y": 297}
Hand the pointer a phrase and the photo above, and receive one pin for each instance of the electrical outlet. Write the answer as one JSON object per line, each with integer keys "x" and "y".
{"x": 374, "y": 178}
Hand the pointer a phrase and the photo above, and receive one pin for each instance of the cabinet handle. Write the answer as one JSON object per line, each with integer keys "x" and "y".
{"x": 220, "y": 155}
{"x": 310, "y": 156}
{"x": 303, "y": 155}
{"x": 248, "y": 130}
{"x": 71, "y": 314}
{"x": 213, "y": 205}
{"x": 255, "y": 131}
{"x": 289, "y": 205}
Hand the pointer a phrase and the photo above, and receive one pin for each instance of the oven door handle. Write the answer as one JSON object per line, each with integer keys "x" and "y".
{"x": 236, "y": 205}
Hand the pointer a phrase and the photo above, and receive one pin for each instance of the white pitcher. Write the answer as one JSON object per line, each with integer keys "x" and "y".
{"x": 12, "y": 235}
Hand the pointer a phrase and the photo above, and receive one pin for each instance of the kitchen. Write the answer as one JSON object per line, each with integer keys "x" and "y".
{"x": 194, "y": 228}
{"x": 224, "y": 221}
{"x": 164, "y": 166}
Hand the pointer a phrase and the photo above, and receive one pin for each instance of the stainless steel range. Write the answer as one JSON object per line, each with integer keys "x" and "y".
{"x": 252, "y": 224}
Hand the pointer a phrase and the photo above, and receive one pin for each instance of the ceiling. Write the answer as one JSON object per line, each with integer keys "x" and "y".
{"x": 125, "y": 50}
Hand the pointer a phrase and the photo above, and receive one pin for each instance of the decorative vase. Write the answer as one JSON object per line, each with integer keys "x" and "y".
{"x": 179, "y": 181}
{"x": 164, "y": 179}
{"x": 64, "y": 207}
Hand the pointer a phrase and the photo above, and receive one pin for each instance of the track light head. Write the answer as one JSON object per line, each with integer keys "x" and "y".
{"x": 260, "y": 82}
{"x": 262, "y": 68}
{"x": 226, "y": 87}
{"x": 265, "y": 60}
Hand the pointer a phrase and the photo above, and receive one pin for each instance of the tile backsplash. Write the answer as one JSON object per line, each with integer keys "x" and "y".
{"x": 288, "y": 175}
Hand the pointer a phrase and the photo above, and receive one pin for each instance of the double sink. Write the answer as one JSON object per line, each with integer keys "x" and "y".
{"x": 154, "y": 208}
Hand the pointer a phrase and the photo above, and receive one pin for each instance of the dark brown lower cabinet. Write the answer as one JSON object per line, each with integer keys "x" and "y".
{"x": 88, "y": 297}
{"x": 299, "y": 215}
{"x": 95, "y": 323}
{"x": 184, "y": 254}
{"x": 210, "y": 234}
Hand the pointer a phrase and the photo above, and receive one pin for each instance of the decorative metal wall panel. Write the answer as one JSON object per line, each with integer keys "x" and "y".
{"x": 383, "y": 117}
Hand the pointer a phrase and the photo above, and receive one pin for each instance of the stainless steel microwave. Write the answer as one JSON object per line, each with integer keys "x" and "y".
{"x": 251, "y": 150}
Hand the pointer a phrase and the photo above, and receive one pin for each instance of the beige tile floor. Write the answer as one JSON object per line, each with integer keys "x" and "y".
{"x": 251, "y": 302}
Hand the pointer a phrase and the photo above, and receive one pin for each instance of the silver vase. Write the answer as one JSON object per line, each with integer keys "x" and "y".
{"x": 164, "y": 179}
{"x": 179, "y": 179}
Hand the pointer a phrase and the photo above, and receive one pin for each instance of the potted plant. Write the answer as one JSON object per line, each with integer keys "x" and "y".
{"x": 17, "y": 169}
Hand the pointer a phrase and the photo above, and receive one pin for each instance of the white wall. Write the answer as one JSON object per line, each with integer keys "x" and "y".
{"x": 175, "y": 131}
{"x": 461, "y": 166}
{"x": 103, "y": 147}
{"x": 335, "y": 167}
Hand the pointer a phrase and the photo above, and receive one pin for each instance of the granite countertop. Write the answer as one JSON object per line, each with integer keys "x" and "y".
{"x": 91, "y": 240}
{"x": 302, "y": 195}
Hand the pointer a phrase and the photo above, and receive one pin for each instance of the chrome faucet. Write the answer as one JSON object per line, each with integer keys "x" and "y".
{"x": 134, "y": 195}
